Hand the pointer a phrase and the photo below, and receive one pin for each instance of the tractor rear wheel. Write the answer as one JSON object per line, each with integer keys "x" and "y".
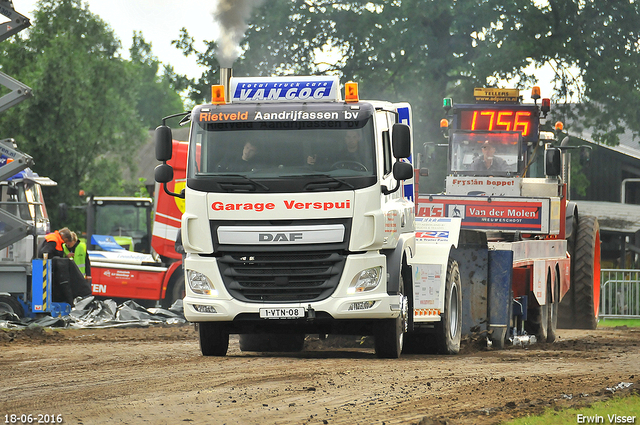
{"x": 580, "y": 307}
{"x": 587, "y": 274}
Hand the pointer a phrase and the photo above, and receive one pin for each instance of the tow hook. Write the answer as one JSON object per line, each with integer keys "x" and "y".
{"x": 311, "y": 313}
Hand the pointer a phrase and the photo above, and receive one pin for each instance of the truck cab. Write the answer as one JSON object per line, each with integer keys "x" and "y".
{"x": 298, "y": 212}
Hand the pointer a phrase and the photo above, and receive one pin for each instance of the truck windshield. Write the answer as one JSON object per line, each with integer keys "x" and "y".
{"x": 485, "y": 153}
{"x": 125, "y": 219}
{"x": 24, "y": 200}
{"x": 275, "y": 152}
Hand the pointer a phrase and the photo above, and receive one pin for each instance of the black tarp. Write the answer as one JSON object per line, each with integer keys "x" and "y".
{"x": 89, "y": 312}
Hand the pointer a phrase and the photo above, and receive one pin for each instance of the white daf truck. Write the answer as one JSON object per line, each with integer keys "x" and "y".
{"x": 299, "y": 216}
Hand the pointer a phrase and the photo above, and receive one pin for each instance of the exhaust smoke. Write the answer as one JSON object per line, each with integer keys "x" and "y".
{"x": 231, "y": 17}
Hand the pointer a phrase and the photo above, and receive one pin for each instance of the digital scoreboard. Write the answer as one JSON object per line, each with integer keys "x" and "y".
{"x": 522, "y": 118}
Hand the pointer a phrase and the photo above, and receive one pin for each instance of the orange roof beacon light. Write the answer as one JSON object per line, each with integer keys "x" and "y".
{"x": 444, "y": 123}
{"x": 81, "y": 192}
{"x": 351, "y": 92}
{"x": 217, "y": 95}
{"x": 535, "y": 93}
{"x": 559, "y": 126}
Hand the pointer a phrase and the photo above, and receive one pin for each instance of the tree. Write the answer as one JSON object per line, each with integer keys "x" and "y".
{"x": 157, "y": 92}
{"x": 594, "y": 49}
{"x": 86, "y": 119}
{"x": 423, "y": 51}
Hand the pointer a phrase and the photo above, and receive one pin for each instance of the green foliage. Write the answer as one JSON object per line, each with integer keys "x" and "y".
{"x": 601, "y": 39}
{"x": 91, "y": 109}
{"x": 83, "y": 102}
{"x": 422, "y": 51}
{"x": 579, "y": 181}
{"x": 157, "y": 93}
{"x": 139, "y": 189}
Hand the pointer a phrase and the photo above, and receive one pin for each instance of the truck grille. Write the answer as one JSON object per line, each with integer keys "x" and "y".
{"x": 281, "y": 277}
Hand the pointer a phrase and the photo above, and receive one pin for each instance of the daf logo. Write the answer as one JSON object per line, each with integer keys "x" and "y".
{"x": 279, "y": 237}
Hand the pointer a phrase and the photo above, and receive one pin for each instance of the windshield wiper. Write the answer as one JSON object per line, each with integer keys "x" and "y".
{"x": 246, "y": 178}
{"x": 326, "y": 176}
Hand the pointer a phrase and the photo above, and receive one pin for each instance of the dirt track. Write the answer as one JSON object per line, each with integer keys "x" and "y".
{"x": 157, "y": 375}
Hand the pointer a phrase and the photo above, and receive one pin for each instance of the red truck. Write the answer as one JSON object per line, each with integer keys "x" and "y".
{"x": 147, "y": 268}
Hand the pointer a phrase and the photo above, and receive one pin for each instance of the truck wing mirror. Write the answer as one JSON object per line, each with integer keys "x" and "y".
{"x": 163, "y": 173}
{"x": 402, "y": 171}
{"x": 552, "y": 162}
{"x": 164, "y": 143}
{"x": 401, "y": 134}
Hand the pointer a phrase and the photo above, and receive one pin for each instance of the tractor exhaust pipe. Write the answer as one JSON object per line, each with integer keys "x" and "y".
{"x": 225, "y": 77}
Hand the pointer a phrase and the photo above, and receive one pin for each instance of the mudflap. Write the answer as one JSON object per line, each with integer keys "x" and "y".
{"x": 500, "y": 296}
{"x": 486, "y": 288}
{"x": 473, "y": 262}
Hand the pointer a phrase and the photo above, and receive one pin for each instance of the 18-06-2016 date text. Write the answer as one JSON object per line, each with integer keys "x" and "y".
{"x": 32, "y": 418}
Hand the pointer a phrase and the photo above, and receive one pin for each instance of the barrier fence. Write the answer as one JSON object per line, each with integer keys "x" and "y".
{"x": 620, "y": 294}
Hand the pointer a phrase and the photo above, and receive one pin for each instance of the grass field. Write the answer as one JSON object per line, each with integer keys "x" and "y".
{"x": 612, "y": 323}
{"x": 626, "y": 409}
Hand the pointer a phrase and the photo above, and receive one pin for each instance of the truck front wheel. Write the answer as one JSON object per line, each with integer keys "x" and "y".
{"x": 214, "y": 338}
{"x": 448, "y": 329}
{"x": 389, "y": 335}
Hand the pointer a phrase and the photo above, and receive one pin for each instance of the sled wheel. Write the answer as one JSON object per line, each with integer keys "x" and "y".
{"x": 284, "y": 343}
{"x": 537, "y": 322}
{"x": 214, "y": 338}
{"x": 500, "y": 335}
{"x": 449, "y": 328}
{"x": 11, "y": 304}
{"x": 586, "y": 274}
{"x": 552, "y": 303}
{"x": 389, "y": 335}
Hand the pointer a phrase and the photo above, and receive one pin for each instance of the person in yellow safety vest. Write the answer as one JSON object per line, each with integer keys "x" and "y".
{"x": 77, "y": 250}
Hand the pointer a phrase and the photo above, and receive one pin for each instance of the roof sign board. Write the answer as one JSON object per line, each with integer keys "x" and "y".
{"x": 496, "y": 95}
{"x": 284, "y": 89}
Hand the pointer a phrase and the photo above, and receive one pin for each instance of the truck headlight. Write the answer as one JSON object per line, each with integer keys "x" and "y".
{"x": 200, "y": 284}
{"x": 366, "y": 280}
